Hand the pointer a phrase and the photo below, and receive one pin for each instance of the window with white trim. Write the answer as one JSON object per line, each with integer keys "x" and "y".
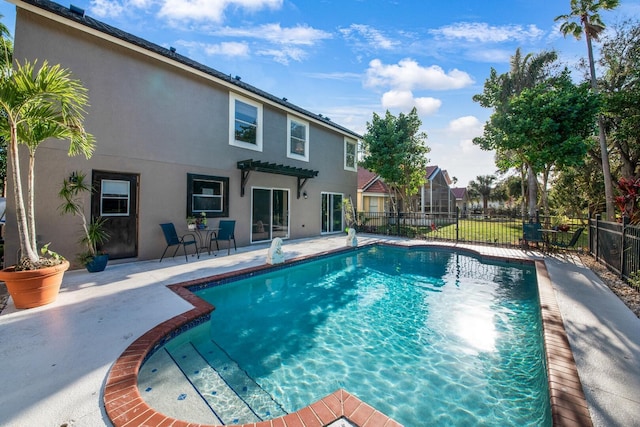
{"x": 245, "y": 123}
{"x": 350, "y": 149}
{"x": 297, "y": 139}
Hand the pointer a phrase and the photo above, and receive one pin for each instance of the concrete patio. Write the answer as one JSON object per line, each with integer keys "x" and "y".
{"x": 55, "y": 358}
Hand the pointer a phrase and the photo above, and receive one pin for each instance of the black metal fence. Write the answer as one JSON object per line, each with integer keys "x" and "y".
{"x": 616, "y": 245}
{"x": 613, "y": 244}
{"x": 500, "y": 228}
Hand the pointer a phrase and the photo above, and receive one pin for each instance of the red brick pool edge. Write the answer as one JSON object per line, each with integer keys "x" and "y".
{"x": 126, "y": 408}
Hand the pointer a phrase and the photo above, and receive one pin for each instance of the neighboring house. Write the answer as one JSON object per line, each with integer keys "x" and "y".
{"x": 435, "y": 195}
{"x": 373, "y": 193}
{"x": 174, "y": 139}
{"x": 463, "y": 202}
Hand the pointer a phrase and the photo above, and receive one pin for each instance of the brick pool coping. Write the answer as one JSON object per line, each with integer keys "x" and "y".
{"x": 126, "y": 407}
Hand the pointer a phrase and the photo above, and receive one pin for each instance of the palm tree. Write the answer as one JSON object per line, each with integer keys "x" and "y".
{"x": 36, "y": 105}
{"x": 482, "y": 186}
{"x": 589, "y": 23}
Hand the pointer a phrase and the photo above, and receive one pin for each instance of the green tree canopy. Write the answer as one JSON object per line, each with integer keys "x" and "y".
{"x": 395, "y": 149}
{"x": 548, "y": 125}
{"x": 620, "y": 87}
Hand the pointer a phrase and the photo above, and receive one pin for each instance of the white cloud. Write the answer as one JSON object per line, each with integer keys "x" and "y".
{"x": 374, "y": 39}
{"x": 465, "y": 127}
{"x": 105, "y": 8}
{"x": 452, "y": 149}
{"x": 405, "y": 101}
{"x": 210, "y": 10}
{"x": 284, "y": 54}
{"x": 408, "y": 74}
{"x": 485, "y": 33}
{"x": 274, "y": 33}
{"x": 231, "y": 49}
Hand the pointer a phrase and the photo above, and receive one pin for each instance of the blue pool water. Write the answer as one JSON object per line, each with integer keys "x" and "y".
{"x": 428, "y": 337}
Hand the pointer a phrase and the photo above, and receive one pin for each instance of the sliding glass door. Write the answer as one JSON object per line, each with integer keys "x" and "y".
{"x": 269, "y": 214}
{"x": 331, "y": 212}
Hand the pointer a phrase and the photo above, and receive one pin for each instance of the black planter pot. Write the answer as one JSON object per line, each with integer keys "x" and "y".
{"x": 98, "y": 263}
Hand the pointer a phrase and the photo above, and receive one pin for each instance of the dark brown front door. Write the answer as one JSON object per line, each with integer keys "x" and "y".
{"x": 115, "y": 197}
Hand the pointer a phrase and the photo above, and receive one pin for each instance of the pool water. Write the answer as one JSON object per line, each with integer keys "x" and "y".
{"x": 426, "y": 336}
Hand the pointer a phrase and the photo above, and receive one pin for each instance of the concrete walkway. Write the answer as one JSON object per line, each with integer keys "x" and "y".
{"x": 55, "y": 359}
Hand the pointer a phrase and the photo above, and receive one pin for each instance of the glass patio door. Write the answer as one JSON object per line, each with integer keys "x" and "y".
{"x": 269, "y": 214}
{"x": 331, "y": 212}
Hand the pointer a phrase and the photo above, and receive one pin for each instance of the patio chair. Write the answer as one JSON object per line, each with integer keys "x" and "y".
{"x": 531, "y": 234}
{"x": 226, "y": 232}
{"x": 172, "y": 239}
{"x": 571, "y": 243}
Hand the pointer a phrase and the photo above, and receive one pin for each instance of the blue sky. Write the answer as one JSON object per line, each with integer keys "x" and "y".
{"x": 347, "y": 59}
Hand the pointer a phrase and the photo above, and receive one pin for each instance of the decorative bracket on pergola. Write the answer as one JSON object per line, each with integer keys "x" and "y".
{"x": 246, "y": 166}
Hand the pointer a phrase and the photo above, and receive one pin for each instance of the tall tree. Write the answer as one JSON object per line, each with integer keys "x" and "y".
{"x": 585, "y": 18}
{"x": 620, "y": 85}
{"x": 549, "y": 125}
{"x": 525, "y": 72}
{"x": 395, "y": 149}
{"x": 483, "y": 186}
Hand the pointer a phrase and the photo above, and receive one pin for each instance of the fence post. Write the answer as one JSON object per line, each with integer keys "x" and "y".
{"x": 457, "y": 222}
{"x": 625, "y": 221}
{"x": 597, "y": 233}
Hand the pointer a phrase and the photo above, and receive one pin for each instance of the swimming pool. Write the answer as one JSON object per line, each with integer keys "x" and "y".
{"x": 426, "y": 336}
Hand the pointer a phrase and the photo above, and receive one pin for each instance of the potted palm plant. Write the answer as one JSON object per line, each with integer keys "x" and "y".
{"x": 94, "y": 233}
{"x": 36, "y": 105}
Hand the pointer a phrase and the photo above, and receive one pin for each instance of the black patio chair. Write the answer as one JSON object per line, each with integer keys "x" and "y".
{"x": 226, "y": 232}
{"x": 571, "y": 243}
{"x": 172, "y": 239}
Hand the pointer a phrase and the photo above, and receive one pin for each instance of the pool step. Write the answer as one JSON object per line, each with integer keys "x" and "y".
{"x": 261, "y": 402}
{"x": 223, "y": 400}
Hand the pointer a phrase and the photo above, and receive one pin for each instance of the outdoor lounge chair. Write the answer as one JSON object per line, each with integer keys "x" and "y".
{"x": 531, "y": 234}
{"x": 172, "y": 239}
{"x": 226, "y": 232}
{"x": 571, "y": 243}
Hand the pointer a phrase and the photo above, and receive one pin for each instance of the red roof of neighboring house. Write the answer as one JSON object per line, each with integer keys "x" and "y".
{"x": 365, "y": 176}
{"x": 371, "y": 182}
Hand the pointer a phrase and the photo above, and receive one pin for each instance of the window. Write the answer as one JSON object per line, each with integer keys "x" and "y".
{"x": 208, "y": 194}
{"x": 245, "y": 123}
{"x": 350, "y": 155}
{"x": 114, "y": 198}
{"x": 373, "y": 204}
{"x": 297, "y": 139}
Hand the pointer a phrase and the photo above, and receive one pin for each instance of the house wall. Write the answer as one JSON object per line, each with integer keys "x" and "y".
{"x": 161, "y": 121}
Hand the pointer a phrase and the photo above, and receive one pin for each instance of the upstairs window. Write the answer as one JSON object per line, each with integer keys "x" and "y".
{"x": 208, "y": 194}
{"x": 297, "y": 139}
{"x": 245, "y": 124}
{"x": 350, "y": 147}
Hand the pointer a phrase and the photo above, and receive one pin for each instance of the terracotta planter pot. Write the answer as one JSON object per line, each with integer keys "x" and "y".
{"x": 33, "y": 288}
